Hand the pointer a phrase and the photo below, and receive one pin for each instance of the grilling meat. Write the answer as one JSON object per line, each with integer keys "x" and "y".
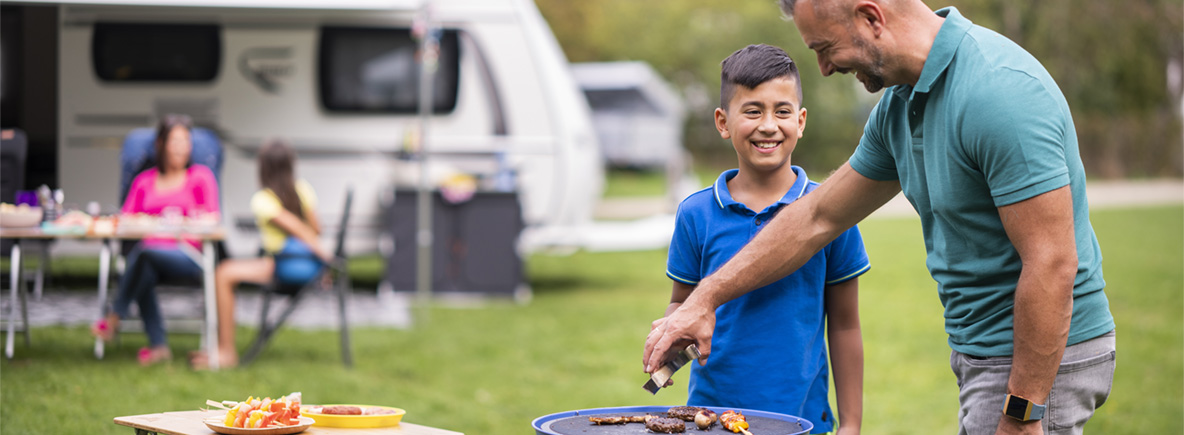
{"x": 684, "y": 413}
{"x": 665, "y": 425}
{"x": 619, "y": 420}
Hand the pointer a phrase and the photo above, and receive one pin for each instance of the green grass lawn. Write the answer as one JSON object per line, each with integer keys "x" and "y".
{"x": 491, "y": 370}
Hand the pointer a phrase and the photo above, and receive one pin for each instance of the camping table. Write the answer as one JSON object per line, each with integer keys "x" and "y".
{"x": 190, "y": 423}
{"x": 205, "y": 259}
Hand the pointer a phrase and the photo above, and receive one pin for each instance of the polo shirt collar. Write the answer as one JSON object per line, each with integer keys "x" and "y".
{"x": 723, "y": 197}
{"x": 949, "y": 37}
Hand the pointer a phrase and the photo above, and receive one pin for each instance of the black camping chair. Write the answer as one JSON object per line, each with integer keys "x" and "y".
{"x": 295, "y": 293}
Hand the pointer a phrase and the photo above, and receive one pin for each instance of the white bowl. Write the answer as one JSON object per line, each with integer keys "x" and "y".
{"x": 25, "y": 218}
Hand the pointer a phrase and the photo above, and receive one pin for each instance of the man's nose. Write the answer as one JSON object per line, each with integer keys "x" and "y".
{"x": 825, "y": 66}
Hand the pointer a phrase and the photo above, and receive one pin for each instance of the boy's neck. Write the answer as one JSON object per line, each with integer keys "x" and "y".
{"x": 758, "y": 190}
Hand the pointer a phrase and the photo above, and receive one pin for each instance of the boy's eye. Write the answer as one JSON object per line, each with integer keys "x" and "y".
{"x": 752, "y": 112}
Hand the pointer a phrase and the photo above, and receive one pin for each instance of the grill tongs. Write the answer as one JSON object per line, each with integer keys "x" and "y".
{"x": 663, "y": 374}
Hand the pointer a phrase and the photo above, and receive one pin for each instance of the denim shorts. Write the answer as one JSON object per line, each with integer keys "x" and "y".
{"x": 1082, "y": 385}
{"x": 296, "y": 264}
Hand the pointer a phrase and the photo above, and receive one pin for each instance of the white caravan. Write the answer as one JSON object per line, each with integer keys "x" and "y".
{"x": 339, "y": 81}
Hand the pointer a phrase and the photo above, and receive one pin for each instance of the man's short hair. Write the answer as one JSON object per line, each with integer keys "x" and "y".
{"x": 753, "y": 65}
{"x": 821, "y": 7}
{"x": 787, "y": 7}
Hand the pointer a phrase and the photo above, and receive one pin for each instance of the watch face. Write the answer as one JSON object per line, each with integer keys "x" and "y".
{"x": 1017, "y": 407}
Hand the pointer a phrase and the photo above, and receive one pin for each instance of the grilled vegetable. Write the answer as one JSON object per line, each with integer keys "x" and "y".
{"x": 705, "y": 418}
{"x": 735, "y": 422}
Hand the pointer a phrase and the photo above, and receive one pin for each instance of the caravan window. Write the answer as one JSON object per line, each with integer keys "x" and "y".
{"x": 125, "y": 52}
{"x": 374, "y": 70}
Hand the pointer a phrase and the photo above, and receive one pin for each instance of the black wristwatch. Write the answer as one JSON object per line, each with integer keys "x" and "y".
{"x": 1022, "y": 409}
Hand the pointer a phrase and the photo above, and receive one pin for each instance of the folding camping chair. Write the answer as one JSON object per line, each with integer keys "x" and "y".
{"x": 295, "y": 293}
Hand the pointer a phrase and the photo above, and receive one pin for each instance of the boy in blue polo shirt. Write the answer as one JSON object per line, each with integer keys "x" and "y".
{"x": 768, "y": 349}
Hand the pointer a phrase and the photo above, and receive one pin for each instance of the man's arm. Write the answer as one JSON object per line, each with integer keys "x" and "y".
{"x": 1041, "y": 228}
{"x": 846, "y": 353}
{"x": 799, "y": 230}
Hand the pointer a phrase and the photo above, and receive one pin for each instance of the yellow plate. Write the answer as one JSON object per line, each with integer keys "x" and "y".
{"x": 333, "y": 420}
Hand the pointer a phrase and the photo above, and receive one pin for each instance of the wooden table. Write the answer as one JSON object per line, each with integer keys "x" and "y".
{"x": 205, "y": 260}
{"x": 190, "y": 423}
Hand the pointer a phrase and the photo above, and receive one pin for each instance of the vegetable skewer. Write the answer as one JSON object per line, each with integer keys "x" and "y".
{"x": 735, "y": 422}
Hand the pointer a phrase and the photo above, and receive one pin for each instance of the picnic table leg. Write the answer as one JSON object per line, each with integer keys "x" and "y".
{"x": 207, "y": 266}
{"x": 104, "y": 279}
{"x": 21, "y": 294}
{"x": 39, "y": 280}
{"x": 144, "y": 432}
{"x": 15, "y": 277}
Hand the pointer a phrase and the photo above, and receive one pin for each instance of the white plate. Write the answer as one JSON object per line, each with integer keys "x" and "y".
{"x": 215, "y": 424}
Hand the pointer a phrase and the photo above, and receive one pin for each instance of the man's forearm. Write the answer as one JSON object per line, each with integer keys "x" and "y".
{"x": 790, "y": 239}
{"x": 1043, "y": 310}
{"x": 795, "y": 234}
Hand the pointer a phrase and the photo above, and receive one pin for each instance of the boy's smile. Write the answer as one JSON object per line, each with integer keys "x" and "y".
{"x": 764, "y": 124}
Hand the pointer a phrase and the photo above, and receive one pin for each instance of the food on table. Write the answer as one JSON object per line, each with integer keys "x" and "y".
{"x": 74, "y": 218}
{"x": 705, "y": 418}
{"x": 374, "y": 410}
{"x": 10, "y": 208}
{"x": 665, "y": 425}
{"x": 263, "y": 413}
{"x": 104, "y": 226}
{"x": 137, "y": 222}
{"x": 15, "y": 216}
{"x": 684, "y": 413}
{"x": 735, "y": 422}
{"x": 340, "y": 410}
{"x": 620, "y": 419}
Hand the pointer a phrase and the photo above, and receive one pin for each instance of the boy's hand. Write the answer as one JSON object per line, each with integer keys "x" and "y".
{"x": 847, "y": 430}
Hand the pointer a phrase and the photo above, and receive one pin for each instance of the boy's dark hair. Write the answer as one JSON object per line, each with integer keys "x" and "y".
{"x": 752, "y": 65}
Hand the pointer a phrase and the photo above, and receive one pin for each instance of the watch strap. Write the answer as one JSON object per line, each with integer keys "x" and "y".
{"x": 1022, "y": 409}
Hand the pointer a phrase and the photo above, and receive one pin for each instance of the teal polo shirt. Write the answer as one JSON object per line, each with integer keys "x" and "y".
{"x": 985, "y": 126}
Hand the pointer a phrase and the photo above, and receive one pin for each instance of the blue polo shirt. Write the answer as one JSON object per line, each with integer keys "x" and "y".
{"x": 768, "y": 351}
{"x": 985, "y": 126}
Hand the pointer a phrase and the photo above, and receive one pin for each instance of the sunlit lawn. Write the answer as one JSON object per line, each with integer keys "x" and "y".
{"x": 578, "y": 344}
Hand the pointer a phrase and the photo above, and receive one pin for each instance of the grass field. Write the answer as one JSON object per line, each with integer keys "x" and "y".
{"x": 578, "y": 345}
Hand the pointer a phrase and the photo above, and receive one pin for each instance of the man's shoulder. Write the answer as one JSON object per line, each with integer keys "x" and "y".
{"x": 998, "y": 60}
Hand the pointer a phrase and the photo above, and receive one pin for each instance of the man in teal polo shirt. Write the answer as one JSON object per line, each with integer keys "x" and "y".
{"x": 979, "y": 138}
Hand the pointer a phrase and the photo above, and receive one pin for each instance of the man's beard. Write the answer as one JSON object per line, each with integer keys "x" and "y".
{"x": 874, "y": 72}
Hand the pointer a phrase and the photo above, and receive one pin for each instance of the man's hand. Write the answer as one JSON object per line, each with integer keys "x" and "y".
{"x": 1011, "y": 426}
{"x": 690, "y": 323}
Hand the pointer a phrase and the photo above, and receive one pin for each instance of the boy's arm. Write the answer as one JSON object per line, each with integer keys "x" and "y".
{"x": 846, "y": 353}
{"x": 678, "y": 294}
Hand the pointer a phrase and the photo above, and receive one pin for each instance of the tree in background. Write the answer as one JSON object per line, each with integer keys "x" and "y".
{"x": 1111, "y": 59}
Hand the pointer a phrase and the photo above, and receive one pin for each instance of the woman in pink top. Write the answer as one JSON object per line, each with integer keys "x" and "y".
{"x": 175, "y": 187}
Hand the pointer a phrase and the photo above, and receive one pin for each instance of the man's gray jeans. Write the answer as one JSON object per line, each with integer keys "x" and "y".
{"x": 1082, "y": 385}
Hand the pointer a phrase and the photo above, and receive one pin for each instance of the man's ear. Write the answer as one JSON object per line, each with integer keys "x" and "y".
{"x": 870, "y": 14}
{"x": 721, "y": 123}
